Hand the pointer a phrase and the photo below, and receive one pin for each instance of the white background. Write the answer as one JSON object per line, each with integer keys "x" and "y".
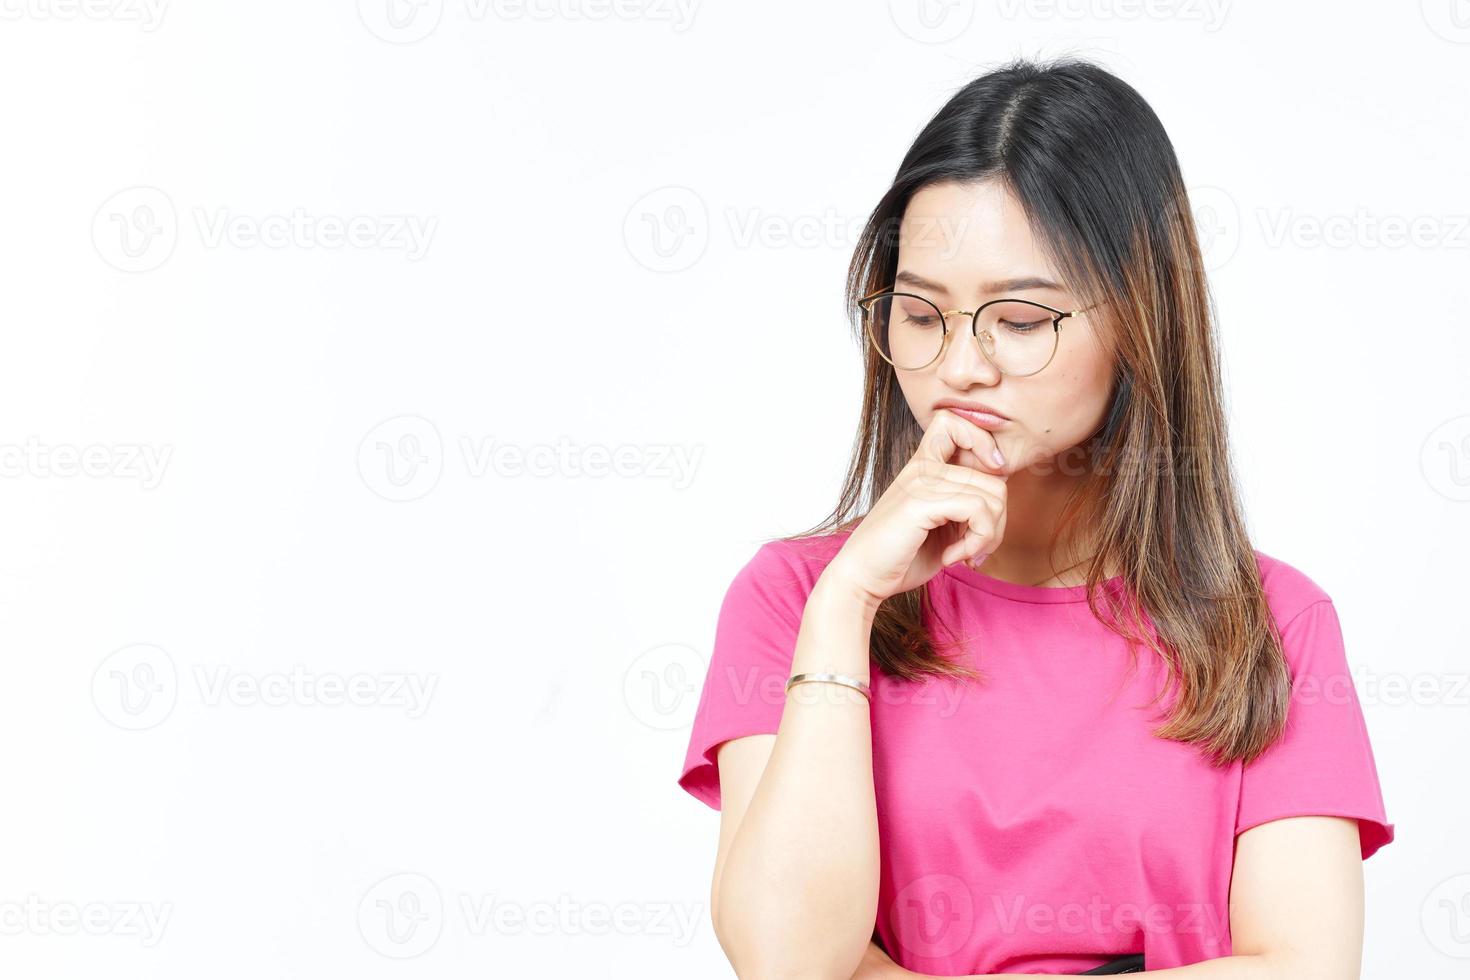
{"x": 246, "y": 461}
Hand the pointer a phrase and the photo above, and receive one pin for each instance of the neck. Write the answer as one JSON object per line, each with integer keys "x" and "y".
{"x": 1026, "y": 555}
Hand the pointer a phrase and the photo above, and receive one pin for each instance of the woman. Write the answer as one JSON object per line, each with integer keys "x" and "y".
{"x": 1131, "y": 741}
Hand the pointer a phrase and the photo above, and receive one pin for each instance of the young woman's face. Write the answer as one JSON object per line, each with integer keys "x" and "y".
{"x": 962, "y": 245}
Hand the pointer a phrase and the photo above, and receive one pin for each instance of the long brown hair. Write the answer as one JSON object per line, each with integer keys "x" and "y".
{"x": 1099, "y": 181}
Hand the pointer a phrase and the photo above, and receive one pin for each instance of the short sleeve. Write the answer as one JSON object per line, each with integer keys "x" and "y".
{"x": 745, "y": 687}
{"x": 1323, "y": 764}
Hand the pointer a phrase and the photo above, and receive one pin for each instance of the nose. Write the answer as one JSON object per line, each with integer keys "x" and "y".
{"x": 962, "y": 363}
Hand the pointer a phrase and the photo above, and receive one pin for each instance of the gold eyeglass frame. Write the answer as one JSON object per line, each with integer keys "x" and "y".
{"x": 1057, "y": 317}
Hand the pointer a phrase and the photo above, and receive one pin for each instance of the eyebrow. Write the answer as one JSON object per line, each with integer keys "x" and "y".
{"x": 1003, "y": 286}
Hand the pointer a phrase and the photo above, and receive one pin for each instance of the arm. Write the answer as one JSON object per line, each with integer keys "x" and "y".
{"x": 795, "y": 889}
{"x": 1296, "y": 905}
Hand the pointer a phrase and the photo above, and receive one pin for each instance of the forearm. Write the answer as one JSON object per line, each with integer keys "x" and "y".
{"x": 798, "y": 893}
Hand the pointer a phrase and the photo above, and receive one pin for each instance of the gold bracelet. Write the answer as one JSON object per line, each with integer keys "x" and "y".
{"x": 852, "y": 682}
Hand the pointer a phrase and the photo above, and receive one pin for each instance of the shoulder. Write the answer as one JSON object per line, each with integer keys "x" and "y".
{"x": 1289, "y": 590}
{"x": 763, "y": 606}
{"x": 1311, "y": 632}
{"x": 795, "y": 563}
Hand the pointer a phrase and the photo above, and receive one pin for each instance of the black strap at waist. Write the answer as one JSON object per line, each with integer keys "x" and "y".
{"x": 1123, "y": 964}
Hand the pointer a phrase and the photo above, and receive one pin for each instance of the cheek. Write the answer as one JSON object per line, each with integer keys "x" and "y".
{"x": 1073, "y": 402}
{"x": 908, "y": 396}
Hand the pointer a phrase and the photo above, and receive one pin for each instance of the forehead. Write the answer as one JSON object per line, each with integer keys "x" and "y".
{"x": 965, "y": 234}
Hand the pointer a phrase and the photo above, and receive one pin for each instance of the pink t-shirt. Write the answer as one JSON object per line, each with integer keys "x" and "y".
{"x": 1031, "y": 823}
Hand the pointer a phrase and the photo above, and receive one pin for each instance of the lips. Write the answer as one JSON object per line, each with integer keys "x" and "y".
{"x": 982, "y": 415}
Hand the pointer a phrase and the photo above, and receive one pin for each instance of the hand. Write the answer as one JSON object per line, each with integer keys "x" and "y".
{"x": 936, "y": 512}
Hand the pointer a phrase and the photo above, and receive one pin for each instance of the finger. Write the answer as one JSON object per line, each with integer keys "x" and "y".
{"x": 963, "y": 475}
{"x": 929, "y": 489}
{"x": 1000, "y": 527}
{"x": 941, "y": 502}
{"x": 948, "y": 433}
{"x": 972, "y": 460}
{"x": 990, "y": 482}
{"x": 978, "y": 547}
{"x": 983, "y": 542}
{"x": 969, "y": 546}
{"x": 980, "y": 534}
{"x": 985, "y": 454}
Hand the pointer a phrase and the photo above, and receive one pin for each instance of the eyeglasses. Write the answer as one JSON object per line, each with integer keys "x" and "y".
{"x": 1018, "y": 336}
